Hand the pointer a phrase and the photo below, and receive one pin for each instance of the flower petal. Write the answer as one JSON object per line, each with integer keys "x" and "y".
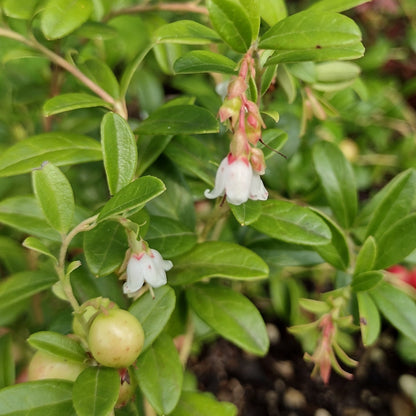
{"x": 219, "y": 187}
{"x": 238, "y": 180}
{"x": 135, "y": 274}
{"x": 257, "y": 189}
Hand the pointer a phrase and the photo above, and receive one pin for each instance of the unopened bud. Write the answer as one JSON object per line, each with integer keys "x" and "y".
{"x": 257, "y": 160}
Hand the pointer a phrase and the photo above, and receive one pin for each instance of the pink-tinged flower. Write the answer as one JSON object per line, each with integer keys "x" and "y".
{"x": 237, "y": 181}
{"x": 149, "y": 267}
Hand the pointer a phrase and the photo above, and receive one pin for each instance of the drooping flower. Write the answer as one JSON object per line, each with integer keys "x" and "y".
{"x": 237, "y": 181}
{"x": 146, "y": 266}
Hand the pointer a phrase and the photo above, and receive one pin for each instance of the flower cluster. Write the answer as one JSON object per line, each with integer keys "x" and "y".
{"x": 238, "y": 176}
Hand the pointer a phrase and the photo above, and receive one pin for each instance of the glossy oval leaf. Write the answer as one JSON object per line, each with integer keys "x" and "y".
{"x": 61, "y": 17}
{"x": 272, "y": 11}
{"x": 58, "y": 345}
{"x": 335, "y": 5}
{"x": 32, "y": 243}
{"x": 232, "y": 23}
{"x": 105, "y": 247}
{"x": 369, "y": 318}
{"x": 313, "y": 36}
{"x": 95, "y": 391}
{"x": 366, "y": 280}
{"x": 187, "y": 32}
{"x": 202, "y": 404}
{"x": 56, "y": 198}
{"x": 366, "y": 257}
{"x": 179, "y": 119}
{"x": 195, "y": 62}
{"x": 25, "y": 214}
{"x": 395, "y": 203}
{"x": 23, "y": 285}
{"x": 72, "y": 101}
{"x": 217, "y": 259}
{"x": 154, "y": 313}
{"x": 230, "y": 314}
{"x": 338, "y": 182}
{"x": 397, "y": 242}
{"x": 119, "y": 151}
{"x": 398, "y": 308}
{"x": 19, "y": 10}
{"x": 291, "y": 223}
{"x": 59, "y": 148}
{"x": 37, "y": 398}
{"x": 160, "y": 375}
{"x": 246, "y": 213}
{"x": 7, "y": 370}
{"x": 132, "y": 197}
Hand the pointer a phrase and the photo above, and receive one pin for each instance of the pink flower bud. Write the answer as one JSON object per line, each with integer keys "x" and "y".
{"x": 257, "y": 161}
{"x": 237, "y": 88}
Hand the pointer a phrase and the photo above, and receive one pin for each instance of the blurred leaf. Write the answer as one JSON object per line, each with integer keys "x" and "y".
{"x": 59, "y": 148}
{"x": 166, "y": 55}
{"x": 202, "y": 404}
{"x": 72, "y": 101}
{"x": 231, "y": 314}
{"x": 105, "y": 247}
{"x": 179, "y": 119}
{"x": 54, "y": 193}
{"x": 366, "y": 280}
{"x": 96, "y": 30}
{"x": 397, "y": 242}
{"x": 366, "y": 257}
{"x": 35, "y": 244}
{"x": 286, "y": 81}
{"x": 274, "y": 138}
{"x": 149, "y": 149}
{"x": 132, "y": 197}
{"x": 160, "y": 374}
{"x": 252, "y": 9}
{"x": 313, "y": 36}
{"x": 119, "y": 151}
{"x": 95, "y": 391}
{"x": 217, "y": 259}
{"x": 7, "y": 371}
{"x": 272, "y": 11}
{"x": 232, "y": 23}
{"x": 58, "y": 345}
{"x": 19, "y": 9}
{"x": 397, "y": 308}
{"x": 204, "y": 61}
{"x": 61, "y": 17}
{"x": 37, "y": 398}
{"x": 289, "y": 222}
{"x": 268, "y": 77}
{"x": 187, "y": 32}
{"x": 335, "y": 5}
{"x": 369, "y": 318}
{"x": 99, "y": 72}
{"x": 12, "y": 255}
{"x": 154, "y": 313}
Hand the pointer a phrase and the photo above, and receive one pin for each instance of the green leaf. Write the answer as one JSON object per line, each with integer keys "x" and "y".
{"x": 366, "y": 257}
{"x": 119, "y": 151}
{"x": 58, "y": 345}
{"x": 169, "y": 237}
{"x": 96, "y": 30}
{"x": 366, "y": 280}
{"x": 397, "y": 242}
{"x": 230, "y": 314}
{"x": 34, "y": 244}
{"x": 397, "y": 308}
{"x": 217, "y": 259}
{"x": 395, "y": 203}
{"x": 272, "y": 11}
{"x": 246, "y": 213}
{"x": 337, "y": 179}
{"x": 186, "y": 32}
{"x": 252, "y": 8}
{"x": 7, "y": 371}
{"x": 19, "y": 9}
{"x": 202, "y": 404}
{"x": 72, "y": 101}
{"x": 289, "y": 222}
{"x": 179, "y": 119}
{"x": 132, "y": 197}
{"x": 154, "y": 314}
{"x": 37, "y": 398}
{"x": 313, "y": 36}
{"x": 369, "y": 318}
{"x": 54, "y": 193}
{"x": 25, "y": 214}
{"x": 61, "y": 17}
{"x": 160, "y": 375}
{"x": 149, "y": 148}
{"x": 95, "y": 391}
{"x": 232, "y": 23}
{"x": 195, "y": 62}
{"x": 23, "y": 285}
{"x": 336, "y": 252}
{"x": 12, "y": 255}
{"x": 274, "y": 138}
{"x": 335, "y": 5}
{"x": 56, "y": 147}
{"x": 105, "y": 247}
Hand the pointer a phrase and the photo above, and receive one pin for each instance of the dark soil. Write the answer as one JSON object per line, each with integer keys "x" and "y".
{"x": 280, "y": 384}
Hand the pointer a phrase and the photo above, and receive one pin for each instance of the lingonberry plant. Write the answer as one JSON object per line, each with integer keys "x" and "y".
{"x": 145, "y": 202}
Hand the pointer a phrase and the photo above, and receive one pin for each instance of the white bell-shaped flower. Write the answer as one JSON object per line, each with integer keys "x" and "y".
{"x": 149, "y": 267}
{"x": 237, "y": 181}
